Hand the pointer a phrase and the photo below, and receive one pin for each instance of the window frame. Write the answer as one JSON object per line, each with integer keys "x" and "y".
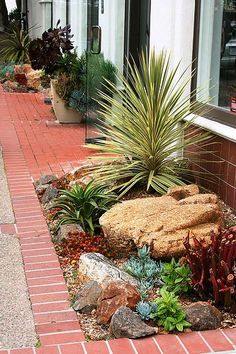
{"x": 214, "y": 113}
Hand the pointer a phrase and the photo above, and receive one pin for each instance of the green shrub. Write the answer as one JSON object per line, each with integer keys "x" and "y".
{"x": 83, "y": 205}
{"x": 144, "y": 124}
{"x": 169, "y": 313}
{"x": 176, "y": 277}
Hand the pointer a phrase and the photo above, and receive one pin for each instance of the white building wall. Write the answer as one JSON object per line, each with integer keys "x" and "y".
{"x": 59, "y": 12}
{"x": 39, "y": 16}
{"x": 172, "y": 28}
{"x": 78, "y": 22}
{"x": 112, "y": 23}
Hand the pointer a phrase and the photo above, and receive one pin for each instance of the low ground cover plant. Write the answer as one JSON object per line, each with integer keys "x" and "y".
{"x": 169, "y": 313}
{"x": 176, "y": 277}
{"x": 70, "y": 249}
{"x": 83, "y": 205}
{"x": 213, "y": 266}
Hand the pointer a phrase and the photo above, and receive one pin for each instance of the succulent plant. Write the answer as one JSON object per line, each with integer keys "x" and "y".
{"x": 46, "y": 52}
{"x": 213, "y": 266}
{"x": 145, "y": 269}
{"x": 144, "y": 309}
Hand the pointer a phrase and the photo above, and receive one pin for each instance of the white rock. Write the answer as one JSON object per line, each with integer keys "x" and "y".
{"x": 95, "y": 266}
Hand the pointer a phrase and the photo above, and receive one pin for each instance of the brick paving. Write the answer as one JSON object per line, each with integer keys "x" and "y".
{"x": 33, "y": 144}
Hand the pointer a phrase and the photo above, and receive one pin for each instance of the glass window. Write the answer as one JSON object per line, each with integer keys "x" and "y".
{"x": 216, "y": 74}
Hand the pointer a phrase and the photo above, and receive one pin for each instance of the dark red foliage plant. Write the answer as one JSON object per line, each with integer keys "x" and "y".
{"x": 213, "y": 266}
{"x": 77, "y": 243}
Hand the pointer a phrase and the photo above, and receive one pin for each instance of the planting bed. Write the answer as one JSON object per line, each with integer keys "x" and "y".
{"x": 76, "y": 243}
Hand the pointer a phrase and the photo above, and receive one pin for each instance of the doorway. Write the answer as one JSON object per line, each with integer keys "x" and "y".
{"x": 119, "y": 29}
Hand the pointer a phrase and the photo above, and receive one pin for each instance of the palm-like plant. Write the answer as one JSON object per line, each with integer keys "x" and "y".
{"x": 83, "y": 205}
{"x": 16, "y": 45}
{"x": 144, "y": 124}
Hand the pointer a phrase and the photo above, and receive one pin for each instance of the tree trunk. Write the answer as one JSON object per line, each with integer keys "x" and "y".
{"x": 3, "y": 14}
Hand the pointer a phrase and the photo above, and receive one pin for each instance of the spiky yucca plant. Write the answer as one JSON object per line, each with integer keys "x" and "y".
{"x": 144, "y": 124}
{"x": 16, "y": 45}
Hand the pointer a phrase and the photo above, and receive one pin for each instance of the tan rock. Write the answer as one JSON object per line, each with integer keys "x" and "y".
{"x": 160, "y": 222}
{"x": 181, "y": 192}
{"x": 115, "y": 295}
{"x": 200, "y": 199}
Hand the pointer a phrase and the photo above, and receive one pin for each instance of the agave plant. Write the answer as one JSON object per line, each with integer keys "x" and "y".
{"x": 83, "y": 205}
{"x": 144, "y": 124}
{"x": 16, "y": 45}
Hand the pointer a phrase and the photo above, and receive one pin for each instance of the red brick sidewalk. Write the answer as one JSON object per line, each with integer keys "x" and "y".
{"x": 33, "y": 144}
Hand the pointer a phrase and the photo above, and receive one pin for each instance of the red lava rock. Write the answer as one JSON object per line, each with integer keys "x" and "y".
{"x": 115, "y": 295}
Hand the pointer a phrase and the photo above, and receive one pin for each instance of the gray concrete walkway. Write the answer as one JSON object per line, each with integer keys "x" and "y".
{"x": 16, "y": 319}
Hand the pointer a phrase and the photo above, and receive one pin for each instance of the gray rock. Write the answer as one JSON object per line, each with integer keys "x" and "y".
{"x": 203, "y": 316}
{"x": 95, "y": 266}
{"x": 64, "y": 231}
{"x": 49, "y": 194}
{"x": 47, "y": 179}
{"x": 87, "y": 297}
{"x": 126, "y": 323}
{"x": 41, "y": 188}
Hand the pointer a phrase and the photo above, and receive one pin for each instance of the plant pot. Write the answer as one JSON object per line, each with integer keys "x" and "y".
{"x": 21, "y": 79}
{"x": 63, "y": 114}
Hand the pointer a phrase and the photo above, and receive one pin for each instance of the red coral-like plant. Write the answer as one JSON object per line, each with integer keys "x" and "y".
{"x": 213, "y": 266}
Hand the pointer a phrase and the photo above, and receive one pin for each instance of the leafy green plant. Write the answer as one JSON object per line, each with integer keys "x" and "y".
{"x": 16, "y": 45}
{"x": 83, "y": 205}
{"x": 144, "y": 269}
{"x": 144, "y": 124}
{"x": 144, "y": 309}
{"x": 169, "y": 313}
{"x": 79, "y": 86}
{"x": 176, "y": 277}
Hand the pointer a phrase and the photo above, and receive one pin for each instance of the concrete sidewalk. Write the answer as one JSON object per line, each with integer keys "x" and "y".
{"x": 16, "y": 318}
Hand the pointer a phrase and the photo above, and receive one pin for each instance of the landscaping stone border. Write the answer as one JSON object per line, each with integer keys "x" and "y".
{"x": 56, "y": 323}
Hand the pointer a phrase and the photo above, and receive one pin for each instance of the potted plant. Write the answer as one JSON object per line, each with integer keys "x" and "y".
{"x": 78, "y": 82}
{"x": 52, "y": 53}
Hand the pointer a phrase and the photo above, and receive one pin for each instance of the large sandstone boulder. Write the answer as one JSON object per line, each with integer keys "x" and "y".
{"x": 161, "y": 222}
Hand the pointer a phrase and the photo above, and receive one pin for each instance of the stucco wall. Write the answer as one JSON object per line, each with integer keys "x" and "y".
{"x": 171, "y": 28}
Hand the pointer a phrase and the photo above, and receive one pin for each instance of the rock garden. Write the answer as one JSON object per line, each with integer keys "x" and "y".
{"x": 144, "y": 249}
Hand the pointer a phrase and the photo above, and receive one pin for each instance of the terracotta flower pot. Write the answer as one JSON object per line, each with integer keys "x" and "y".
{"x": 63, "y": 113}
